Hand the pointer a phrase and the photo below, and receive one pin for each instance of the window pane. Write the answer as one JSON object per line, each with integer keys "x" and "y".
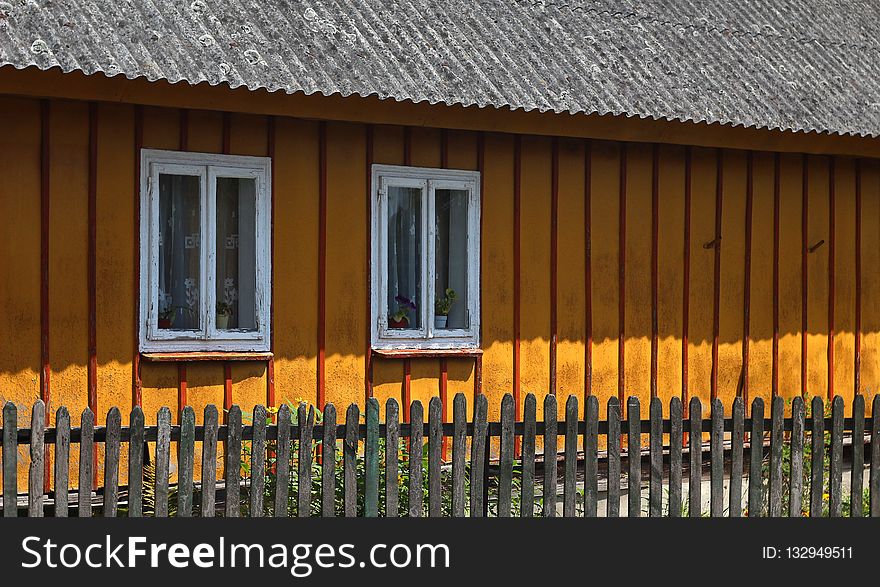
{"x": 236, "y": 254}
{"x": 404, "y": 257}
{"x": 179, "y": 252}
{"x": 451, "y": 246}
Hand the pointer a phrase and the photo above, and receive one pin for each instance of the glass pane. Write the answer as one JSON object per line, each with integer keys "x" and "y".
{"x": 236, "y": 254}
{"x": 451, "y": 257}
{"x": 404, "y": 257}
{"x": 179, "y": 252}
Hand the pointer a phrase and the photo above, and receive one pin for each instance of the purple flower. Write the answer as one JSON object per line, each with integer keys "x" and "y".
{"x": 405, "y": 302}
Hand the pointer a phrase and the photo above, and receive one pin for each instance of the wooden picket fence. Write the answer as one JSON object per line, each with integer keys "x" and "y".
{"x": 513, "y": 472}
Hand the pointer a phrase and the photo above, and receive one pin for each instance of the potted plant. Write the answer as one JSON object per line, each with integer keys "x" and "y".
{"x": 224, "y": 312}
{"x": 166, "y": 317}
{"x": 400, "y": 319}
{"x": 442, "y": 306}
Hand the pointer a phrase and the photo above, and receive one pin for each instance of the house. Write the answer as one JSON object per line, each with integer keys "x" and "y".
{"x": 232, "y": 201}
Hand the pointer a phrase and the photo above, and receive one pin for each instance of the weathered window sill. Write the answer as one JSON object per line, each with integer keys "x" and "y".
{"x": 187, "y": 357}
{"x": 427, "y": 353}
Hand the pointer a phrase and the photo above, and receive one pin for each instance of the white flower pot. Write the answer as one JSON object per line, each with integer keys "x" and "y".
{"x": 440, "y": 322}
{"x": 222, "y": 321}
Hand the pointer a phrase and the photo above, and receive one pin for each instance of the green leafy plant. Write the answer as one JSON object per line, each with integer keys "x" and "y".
{"x": 444, "y": 303}
{"x": 224, "y": 309}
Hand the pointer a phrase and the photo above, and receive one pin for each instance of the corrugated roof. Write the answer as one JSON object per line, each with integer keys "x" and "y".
{"x": 786, "y": 64}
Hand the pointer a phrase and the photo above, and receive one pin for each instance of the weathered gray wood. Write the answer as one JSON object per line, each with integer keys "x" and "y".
{"x": 416, "y": 447}
{"x": 435, "y": 442}
{"x": 675, "y": 449}
{"x": 478, "y": 456}
{"x": 613, "y": 506}
{"x": 258, "y": 462}
{"x": 163, "y": 458}
{"x": 569, "y": 501}
{"x": 86, "y": 462}
{"x": 591, "y": 457}
{"x": 634, "y": 458}
{"x": 459, "y": 448}
{"x": 306, "y": 422}
{"x": 392, "y": 455}
{"x": 777, "y": 413}
{"x": 136, "y": 463}
{"x": 10, "y": 460}
{"x": 756, "y": 455}
{"x": 349, "y": 460}
{"x": 655, "y": 490}
{"x": 716, "y": 460}
{"x": 695, "y": 458}
{"x": 209, "y": 461}
{"x": 737, "y": 437}
{"x": 817, "y": 457}
{"x": 38, "y": 455}
{"x": 835, "y": 478}
{"x": 874, "y": 480}
{"x": 328, "y": 463}
{"x": 62, "y": 461}
{"x": 111, "y": 462}
{"x": 505, "y": 460}
{"x": 232, "y": 462}
{"x": 796, "y": 471}
{"x": 551, "y": 471}
{"x": 280, "y": 509}
{"x": 527, "y": 503}
{"x": 186, "y": 462}
{"x": 857, "y": 505}
{"x": 371, "y": 460}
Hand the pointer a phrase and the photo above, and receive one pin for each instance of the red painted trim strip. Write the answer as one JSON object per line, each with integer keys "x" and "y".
{"x": 443, "y": 384}
{"x": 368, "y": 247}
{"x": 92, "y": 257}
{"x": 805, "y": 250}
{"x": 517, "y": 220}
{"x": 554, "y": 260}
{"x": 406, "y": 389}
{"x": 655, "y": 263}
{"x": 227, "y": 388}
{"x": 481, "y": 167}
{"x": 832, "y": 170}
{"x": 716, "y": 296}
{"x": 621, "y": 284}
{"x": 588, "y": 270}
{"x": 136, "y": 387}
{"x": 407, "y": 366}
{"x": 322, "y": 260}
{"x": 184, "y": 129}
{"x": 227, "y": 367}
{"x": 181, "y": 389}
{"x": 747, "y": 274}
{"x": 444, "y": 148}
{"x": 227, "y": 132}
{"x": 857, "y": 366}
{"x": 270, "y": 364}
{"x": 776, "y": 198}
{"x": 407, "y": 145}
{"x": 686, "y": 285}
{"x": 45, "y": 138}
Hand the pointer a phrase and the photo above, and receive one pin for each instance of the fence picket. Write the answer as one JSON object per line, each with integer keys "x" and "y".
{"x": 505, "y": 460}
{"x": 817, "y": 457}
{"x": 874, "y": 480}
{"x": 777, "y": 413}
{"x": 371, "y": 460}
{"x": 716, "y": 460}
{"x": 62, "y": 461}
{"x": 613, "y": 441}
{"x": 232, "y": 462}
{"x": 414, "y": 455}
{"x": 551, "y": 470}
{"x": 209, "y": 462}
{"x": 796, "y": 470}
{"x": 163, "y": 456}
{"x": 111, "y": 462}
{"x": 459, "y": 447}
{"x": 634, "y": 458}
{"x": 675, "y": 450}
{"x": 258, "y": 462}
{"x": 478, "y": 456}
{"x": 527, "y": 503}
{"x": 756, "y": 455}
{"x": 835, "y": 476}
{"x": 695, "y": 458}
{"x": 38, "y": 455}
{"x": 655, "y": 489}
{"x": 435, "y": 441}
{"x": 349, "y": 458}
{"x": 737, "y": 437}
{"x": 857, "y": 506}
{"x": 306, "y": 421}
{"x": 186, "y": 462}
{"x": 328, "y": 463}
{"x": 591, "y": 457}
{"x": 10, "y": 460}
{"x": 136, "y": 463}
{"x": 282, "y": 462}
{"x": 392, "y": 450}
{"x": 571, "y": 449}
{"x": 86, "y": 463}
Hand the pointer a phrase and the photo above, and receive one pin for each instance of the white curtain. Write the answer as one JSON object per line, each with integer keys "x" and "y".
{"x": 236, "y": 250}
{"x": 404, "y": 250}
{"x": 179, "y": 250}
{"x": 451, "y": 249}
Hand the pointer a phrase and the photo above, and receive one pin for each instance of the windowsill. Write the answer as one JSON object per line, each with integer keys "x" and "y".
{"x": 186, "y": 357}
{"x": 426, "y": 353}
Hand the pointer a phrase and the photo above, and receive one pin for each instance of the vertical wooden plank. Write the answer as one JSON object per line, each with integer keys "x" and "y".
{"x": 209, "y": 461}
{"x": 655, "y": 490}
{"x": 716, "y": 460}
{"x": 136, "y": 463}
{"x": 258, "y": 462}
{"x": 435, "y": 441}
{"x": 591, "y": 456}
{"x": 634, "y": 457}
{"x": 835, "y": 489}
{"x": 874, "y": 481}
{"x": 817, "y": 457}
{"x": 416, "y": 446}
{"x": 571, "y": 449}
{"x": 756, "y": 454}
{"x": 551, "y": 471}
{"x": 796, "y": 471}
{"x": 736, "y": 457}
{"x": 505, "y": 460}
{"x": 459, "y": 447}
{"x": 232, "y": 462}
{"x": 392, "y": 456}
{"x": 186, "y": 462}
{"x": 857, "y": 505}
{"x": 371, "y": 460}
{"x": 478, "y": 457}
{"x": 111, "y": 462}
{"x": 10, "y": 460}
{"x": 328, "y": 463}
{"x": 282, "y": 462}
{"x": 38, "y": 454}
{"x": 613, "y": 506}
{"x": 86, "y": 462}
{"x": 306, "y": 422}
{"x": 675, "y": 444}
{"x": 695, "y": 461}
{"x": 777, "y": 407}
{"x": 163, "y": 456}
{"x": 62, "y": 461}
{"x": 349, "y": 458}
{"x": 527, "y": 503}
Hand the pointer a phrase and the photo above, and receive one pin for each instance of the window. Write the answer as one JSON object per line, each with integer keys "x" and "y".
{"x": 204, "y": 252}
{"x": 426, "y": 258}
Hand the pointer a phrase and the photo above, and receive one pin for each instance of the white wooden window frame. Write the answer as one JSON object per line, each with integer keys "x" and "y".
{"x": 208, "y": 167}
{"x": 426, "y": 337}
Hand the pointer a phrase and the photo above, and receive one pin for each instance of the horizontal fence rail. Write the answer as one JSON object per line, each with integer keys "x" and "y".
{"x": 297, "y": 461}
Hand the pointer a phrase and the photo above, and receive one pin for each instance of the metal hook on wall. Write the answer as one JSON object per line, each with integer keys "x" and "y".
{"x": 816, "y": 246}
{"x": 713, "y": 243}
